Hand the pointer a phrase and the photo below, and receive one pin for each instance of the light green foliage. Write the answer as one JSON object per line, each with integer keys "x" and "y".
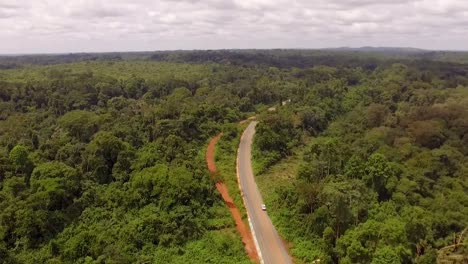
{"x": 119, "y": 175}
{"x": 103, "y": 161}
{"x": 19, "y": 157}
{"x": 56, "y": 184}
{"x": 206, "y": 250}
{"x": 379, "y": 175}
{"x": 374, "y": 241}
{"x": 378, "y": 159}
{"x": 386, "y": 255}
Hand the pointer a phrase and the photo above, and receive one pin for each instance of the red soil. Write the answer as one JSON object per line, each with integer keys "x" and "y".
{"x": 240, "y": 225}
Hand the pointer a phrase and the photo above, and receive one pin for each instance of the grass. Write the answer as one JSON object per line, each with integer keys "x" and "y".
{"x": 276, "y": 177}
{"x": 226, "y": 163}
{"x": 221, "y": 227}
{"x": 282, "y": 176}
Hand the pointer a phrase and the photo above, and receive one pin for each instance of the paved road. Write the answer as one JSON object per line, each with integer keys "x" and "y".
{"x": 269, "y": 243}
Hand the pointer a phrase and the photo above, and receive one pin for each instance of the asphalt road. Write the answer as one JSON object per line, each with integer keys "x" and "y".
{"x": 269, "y": 244}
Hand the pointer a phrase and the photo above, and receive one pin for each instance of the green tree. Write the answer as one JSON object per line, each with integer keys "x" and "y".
{"x": 107, "y": 158}
{"x": 56, "y": 184}
{"x": 80, "y": 124}
{"x": 386, "y": 255}
{"x": 379, "y": 173}
{"x": 19, "y": 156}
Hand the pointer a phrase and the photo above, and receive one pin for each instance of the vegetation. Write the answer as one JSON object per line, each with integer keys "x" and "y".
{"x": 226, "y": 158}
{"x": 103, "y": 162}
{"x": 381, "y": 176}
{"x": 102, "y": 159}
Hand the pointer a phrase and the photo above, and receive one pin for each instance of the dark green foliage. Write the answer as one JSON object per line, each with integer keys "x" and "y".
{"x": 382, "y": 176}
{"x": 102, "y": 161}
{"x": 107, "y": 158}
{"x": 275, "y": 137}
{"x": 109, "y": 167}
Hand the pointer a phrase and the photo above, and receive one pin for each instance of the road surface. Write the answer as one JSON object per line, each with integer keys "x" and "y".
{"x": 270, "y": 246}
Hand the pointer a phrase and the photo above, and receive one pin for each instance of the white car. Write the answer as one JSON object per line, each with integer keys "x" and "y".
{"x": 263, "y": 207}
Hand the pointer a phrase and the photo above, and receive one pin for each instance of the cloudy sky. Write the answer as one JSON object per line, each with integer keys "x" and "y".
{"x": 37, "y": 26}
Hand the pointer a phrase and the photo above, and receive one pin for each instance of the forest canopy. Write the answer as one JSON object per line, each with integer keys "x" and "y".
{"x": 101, "y": 158}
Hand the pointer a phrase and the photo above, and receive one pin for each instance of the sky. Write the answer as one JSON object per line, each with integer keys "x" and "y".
{"x": 62, "y": 26}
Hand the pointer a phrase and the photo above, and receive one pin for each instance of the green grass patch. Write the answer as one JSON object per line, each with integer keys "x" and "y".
{"x": 223, "y": 246}
{"x": 281, "y": 176}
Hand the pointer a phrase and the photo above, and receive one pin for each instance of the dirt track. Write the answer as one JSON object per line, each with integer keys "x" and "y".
{"x": 221, "y": 187}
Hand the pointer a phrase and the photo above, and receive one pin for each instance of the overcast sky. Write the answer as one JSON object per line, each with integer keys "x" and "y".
{"x": 36, "y": 26}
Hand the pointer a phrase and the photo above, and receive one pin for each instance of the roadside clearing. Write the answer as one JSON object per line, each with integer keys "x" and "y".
{"x": 244, "y": 231}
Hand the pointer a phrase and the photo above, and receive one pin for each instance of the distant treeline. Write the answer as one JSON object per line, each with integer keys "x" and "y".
{"x": 366, "y": 58}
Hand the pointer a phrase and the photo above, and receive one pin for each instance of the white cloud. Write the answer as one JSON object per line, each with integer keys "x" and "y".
{"x": 98, "y": 25}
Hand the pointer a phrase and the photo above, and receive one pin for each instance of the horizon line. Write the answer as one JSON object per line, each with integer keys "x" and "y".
{"x": 343, "y": 48}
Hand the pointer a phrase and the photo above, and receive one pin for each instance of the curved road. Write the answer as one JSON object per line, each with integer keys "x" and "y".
{"x": 269, "y": 245}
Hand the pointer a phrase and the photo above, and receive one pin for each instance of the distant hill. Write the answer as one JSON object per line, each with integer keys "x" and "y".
{"x": 382, "y": 50}
{"x": 406, "y": 53}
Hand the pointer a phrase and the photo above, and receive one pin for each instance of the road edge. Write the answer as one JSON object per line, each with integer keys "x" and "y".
{"x": 259, "y": 252}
